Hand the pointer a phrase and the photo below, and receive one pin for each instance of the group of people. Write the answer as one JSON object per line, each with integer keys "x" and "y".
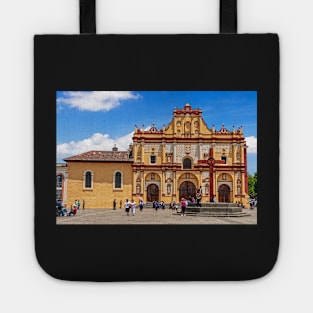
{"x": 156, "y": 205}
{"x": 130, "y": 206}
{"x": 61, "y": 209}
{"x": 253, "y": 203}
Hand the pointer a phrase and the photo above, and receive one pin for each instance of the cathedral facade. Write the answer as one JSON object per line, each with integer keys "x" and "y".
{"x": 164, "y": 165}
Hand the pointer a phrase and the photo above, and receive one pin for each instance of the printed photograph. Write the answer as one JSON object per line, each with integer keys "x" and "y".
{"x": 156, "y": 157}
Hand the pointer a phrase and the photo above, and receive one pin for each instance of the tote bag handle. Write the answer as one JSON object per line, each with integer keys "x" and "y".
{"x": 228, "y": 16}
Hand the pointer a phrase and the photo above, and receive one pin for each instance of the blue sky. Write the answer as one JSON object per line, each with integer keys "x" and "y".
{"x": 96, "y": 120}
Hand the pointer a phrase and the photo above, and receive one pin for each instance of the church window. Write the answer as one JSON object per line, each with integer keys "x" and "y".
{"x": 187, "y": 164}
{"x": 152, "y": 159}
{"x": 224, "y": 158}
{"x": 88, "y": 179}
{"x": 117, "y": 180}
{"x": 59, "y": 181}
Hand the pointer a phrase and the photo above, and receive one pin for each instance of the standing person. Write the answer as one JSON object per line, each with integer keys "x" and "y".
{"x": 214, "y": 199}
{"x": 133, "y": 204}
{"x": 183, "y": 206}
{"x": 176, "y": 207}
{"x": 59, "y": 208}
{"x": 141, "y": 205}
{"x": 156, "y": 205}
{"x": 127, "y": 206}
{"x": 120, "y": 204}
{"x": 199, "y": 196}
{"x": 78, "y": 204}
{"x": 114, "y": 204}
{"x": 83, "y": 204}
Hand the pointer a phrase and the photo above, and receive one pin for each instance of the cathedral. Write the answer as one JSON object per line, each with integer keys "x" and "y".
{"x": 164, "y": 165}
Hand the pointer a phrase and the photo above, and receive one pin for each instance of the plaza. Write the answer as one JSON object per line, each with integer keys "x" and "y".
{"x": 151, "y": 216}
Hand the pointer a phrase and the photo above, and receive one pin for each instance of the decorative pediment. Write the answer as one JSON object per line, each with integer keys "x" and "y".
{"x": 223, "y": 130}
{"x": 188, "y": 110}
{"x": 153, "y": 129}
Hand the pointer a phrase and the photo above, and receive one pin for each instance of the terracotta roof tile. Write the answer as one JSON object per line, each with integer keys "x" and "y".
{"x": 117, "y": 156}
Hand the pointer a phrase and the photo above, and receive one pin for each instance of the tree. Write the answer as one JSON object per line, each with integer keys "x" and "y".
{"x": 256, "y": 183}
{"x": 252, "y": 184}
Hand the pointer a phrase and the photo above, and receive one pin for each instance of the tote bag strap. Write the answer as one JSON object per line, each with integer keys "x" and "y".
{"x": 87, "y": 16}
{"x": 228, "y": 16}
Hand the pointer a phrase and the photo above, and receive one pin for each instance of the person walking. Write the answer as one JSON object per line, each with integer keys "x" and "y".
{"x": 127, "y": 204}
{"x": 141, "y": 205}
{"x": 183, "y": 206}
{"x": 133, "y": 208}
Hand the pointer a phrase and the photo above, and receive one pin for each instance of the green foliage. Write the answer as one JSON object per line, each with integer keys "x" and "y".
{"x": 252, "y": 184}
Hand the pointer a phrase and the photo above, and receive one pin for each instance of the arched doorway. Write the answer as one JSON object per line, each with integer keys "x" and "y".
{"x": 187, "y": 189}
{"x": 223, "y": 193}
{"x": 153, "y": 193}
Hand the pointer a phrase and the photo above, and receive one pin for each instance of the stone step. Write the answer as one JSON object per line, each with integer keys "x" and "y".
{"x": 214, "y": 210}
{"x": 217, "y": 214}
{"x": 213, "y": 205}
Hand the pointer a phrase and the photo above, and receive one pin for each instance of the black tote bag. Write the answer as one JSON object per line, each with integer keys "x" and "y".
{"x": 204, "y": 215}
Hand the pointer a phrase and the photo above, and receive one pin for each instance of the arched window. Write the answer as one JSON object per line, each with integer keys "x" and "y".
{"x": 187, "y": 164}
{"x": 88, "y": 179}
{"x": 118, "y": 180}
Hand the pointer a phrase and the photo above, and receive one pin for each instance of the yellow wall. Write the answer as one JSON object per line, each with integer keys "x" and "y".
{"x": 102, "y": 193}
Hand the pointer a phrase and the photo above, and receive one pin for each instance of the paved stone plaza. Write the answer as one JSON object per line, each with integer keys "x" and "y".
{"x": 150, "y": 216}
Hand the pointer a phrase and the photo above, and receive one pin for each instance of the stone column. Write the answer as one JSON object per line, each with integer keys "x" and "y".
{"x": 174, "y": 153}
{"x": 134, "y": 183}
{"x": 142, "y": 184}
{"x": 200, "y": 152}
{"x": 242, "y": 148}
{"x": 174, "y": 187}
{"x": 233, "y": 152}
{"x": 164, "y": 160}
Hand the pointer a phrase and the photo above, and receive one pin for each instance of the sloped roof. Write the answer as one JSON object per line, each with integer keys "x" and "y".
{"x": 99, "y": 156}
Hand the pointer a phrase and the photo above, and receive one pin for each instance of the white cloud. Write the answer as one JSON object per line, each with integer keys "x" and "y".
{"x": 95, "y": 100}
{"x": 97, "y": 141}
{"x": 252, "y": 144}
